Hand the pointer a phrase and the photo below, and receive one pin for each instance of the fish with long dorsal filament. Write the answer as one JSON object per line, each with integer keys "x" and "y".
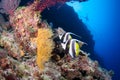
{"x": 70, "y": 45}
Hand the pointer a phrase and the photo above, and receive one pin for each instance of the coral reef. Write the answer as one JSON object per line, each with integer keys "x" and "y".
{"x": 81, "y": 68}
{"x": 32, "y": 51}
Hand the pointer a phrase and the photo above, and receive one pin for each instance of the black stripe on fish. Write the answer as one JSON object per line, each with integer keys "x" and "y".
{"x": 68, "y": 46}
{"x": 73, "y": 49}
{"x": 62, "y": 38}
{"x": 67, "y": 37}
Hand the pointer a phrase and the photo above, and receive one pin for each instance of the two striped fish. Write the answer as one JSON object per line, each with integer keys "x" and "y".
{"x": 71, "y": 46}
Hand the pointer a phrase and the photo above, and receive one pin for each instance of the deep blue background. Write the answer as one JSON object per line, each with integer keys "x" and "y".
{"x": 102, "y": 18}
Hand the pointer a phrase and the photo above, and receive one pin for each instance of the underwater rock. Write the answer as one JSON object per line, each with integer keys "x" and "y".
{"x": 81, "y": 68}
{"x": 65, "y": 68}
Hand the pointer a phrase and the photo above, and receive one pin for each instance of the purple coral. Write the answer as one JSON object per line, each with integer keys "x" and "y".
{"x": 9, "y": 6}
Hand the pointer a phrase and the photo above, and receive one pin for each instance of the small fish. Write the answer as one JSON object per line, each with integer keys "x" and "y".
{"x": 72, "y": 46}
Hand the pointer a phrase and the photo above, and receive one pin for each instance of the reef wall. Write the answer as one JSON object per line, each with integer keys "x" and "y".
{"x": 32, "y": 50}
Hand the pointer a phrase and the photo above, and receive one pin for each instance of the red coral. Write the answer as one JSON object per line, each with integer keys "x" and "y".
{"x": 47, "y": 3}
{"x": 42, "y": 4}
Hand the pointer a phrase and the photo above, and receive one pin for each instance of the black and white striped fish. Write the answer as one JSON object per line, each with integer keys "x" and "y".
{"x": 72, "y": 46}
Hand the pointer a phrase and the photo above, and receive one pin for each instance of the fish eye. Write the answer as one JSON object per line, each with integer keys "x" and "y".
{"x": 77, "y": 42}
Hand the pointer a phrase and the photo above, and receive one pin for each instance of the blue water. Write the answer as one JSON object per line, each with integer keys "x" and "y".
{"x": 103, "y": 20}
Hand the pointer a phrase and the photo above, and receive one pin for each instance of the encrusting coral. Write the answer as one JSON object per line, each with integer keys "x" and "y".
{"x": 7, "y": 41}
{"x": 25, "y": 24}
{"x": 45, "y": 45}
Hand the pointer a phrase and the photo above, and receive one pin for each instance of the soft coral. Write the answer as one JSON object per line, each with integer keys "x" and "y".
{"x": 45, "y": 46}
